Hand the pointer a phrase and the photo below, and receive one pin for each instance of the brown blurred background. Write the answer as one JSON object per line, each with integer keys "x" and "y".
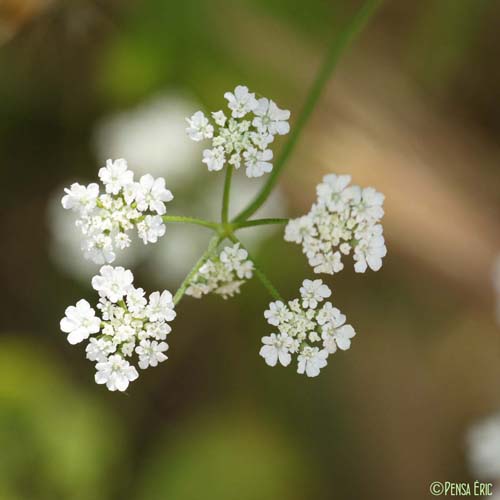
{"x": 413, "y": 110}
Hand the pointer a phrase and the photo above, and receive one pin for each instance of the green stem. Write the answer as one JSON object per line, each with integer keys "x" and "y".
{"x": 258, "y": 222}
{"x": 259, "y": 273}
{"x": 212, "y": 245}
{"x": 227, "y": 190}
{"x": 340, "y": 43}
{"x": 191, "y": 220}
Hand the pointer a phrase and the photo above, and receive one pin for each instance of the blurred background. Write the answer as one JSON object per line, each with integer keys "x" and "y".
{"x": 413, "y": 110}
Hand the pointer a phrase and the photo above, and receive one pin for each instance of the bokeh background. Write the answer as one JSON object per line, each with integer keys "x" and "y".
{"x": 413, "y": 110}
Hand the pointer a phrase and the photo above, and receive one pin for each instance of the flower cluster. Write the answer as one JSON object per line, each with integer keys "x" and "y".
{"x": 344, "y": 219}
{"x": 128, "y": 324}
{"x": 306, "y": 329}
{"x": 239, "y": 138}
{"x": 223, "y": 274}
{"x": 105, "y": 219}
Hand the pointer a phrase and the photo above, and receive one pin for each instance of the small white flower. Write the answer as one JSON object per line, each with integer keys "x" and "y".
{"x": 113, "y": 282}
{"x": 151, "y": 228}
{"x": 80, "y": 322}
{"x": 219, "y": 118}
{"x": 214, "y": 158}
{"x": 99, "y": 349}
{"x": 311, "y": 360}
{"x": 257, "y": 162}
{"x": 151, "y": 353}
{"x": 115, "y": 175}
{"x": 277, "y": 313}
{"x": 116, "y": 373}
{"x": 99, "y": 249}
{"x": 135, "y": 300}
{"x": 276, "y": 348}
{"x": 160, "y": 307}
{"x": 241, "y": 101}
{"x": 199, "y": 127}
{"x": 313, "y": 292}
{"x": 80, "y": 198}
{"x": 271, "y": 118}
{"x": 152, "y": 194}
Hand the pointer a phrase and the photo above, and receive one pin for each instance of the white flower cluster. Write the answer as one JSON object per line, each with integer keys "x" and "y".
{"x": 305, "y": 329}
{"x": 344, "y": 219}
{"x": 223, "y": 274}
{"x": 129, "y": 324}
{"x": 239, "y": 138}
{"x": 105, "y": 219}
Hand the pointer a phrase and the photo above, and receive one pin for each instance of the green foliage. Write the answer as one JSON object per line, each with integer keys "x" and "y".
{"x": 223, "y": 458}
{"x": 55, "y": 441}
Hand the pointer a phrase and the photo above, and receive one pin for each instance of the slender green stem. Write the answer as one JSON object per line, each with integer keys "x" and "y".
{"x": 258, "y": 222}
{"x": 259, "y": 273}
{"x": 226, "y": 196}
{"x": 340, "y": 43}
{"x": 212, "y": 245}
{"x": 191, "y": 220}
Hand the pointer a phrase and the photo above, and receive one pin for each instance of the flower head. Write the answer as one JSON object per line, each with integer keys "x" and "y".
{"x": 240, "y": 139}
{"x": 310, "y": 332}
{"x": 222, "y": 274}
{"x": 105, "y": 220}
{"x": 129, "y": 325}
{"x": 345, "y": 219}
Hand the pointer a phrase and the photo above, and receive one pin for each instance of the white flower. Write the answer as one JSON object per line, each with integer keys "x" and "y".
{"x": 113, "y": 282}
{"x": 233, "y": 256}
{"x": 370, "y": 251}
{"x": 105, "y": 220}
{"x": 222, "y": 274}
{"x": 219, "y": 118}
{"x": 276, "y": 348}
{"x": 241, "y": 138}
{"x": 80, "y": 322}
{"x": 311, "y": 360}
{"x": 99, "y": 349}
{"x": 214, "y": 158}
{"x": 241, "y": 102}
{"x": 151, "y": 194}
{"x": 116, "y": 373}
{"x": 335, "y": 333}
{"x": 129, "y": 326}
{"x": 271, "y": 118}
{"x": 99, "y": 249}
{"x": 151, "y": 353}
{"x": 160, "y": 307}
{"x": 257, "y": 162}
{"x": 80, "y": 198}
{"x": 151, "y": 228}
{"x": 199, "y": 127}
{"x": 345, "y": 219}
{"x": 135, "y": 300}
{"x": 115, "y": 175}
{"x": 313, "y": 292}
{"x": 277, "y": 313}
{"x": 310, "y": 332}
